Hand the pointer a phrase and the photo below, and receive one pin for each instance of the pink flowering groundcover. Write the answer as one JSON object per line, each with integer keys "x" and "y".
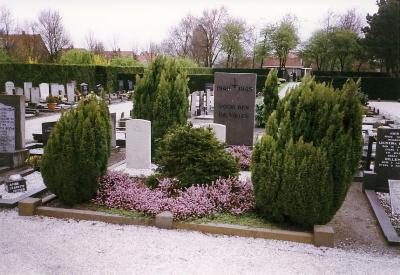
{"x": 120, "y": 191}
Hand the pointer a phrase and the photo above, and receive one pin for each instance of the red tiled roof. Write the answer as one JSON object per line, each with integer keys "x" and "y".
{"x": 293, "y": 61}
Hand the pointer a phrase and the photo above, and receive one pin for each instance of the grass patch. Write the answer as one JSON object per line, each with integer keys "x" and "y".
{"x": 246, "y": 219}
{"x": 114, "y": 211}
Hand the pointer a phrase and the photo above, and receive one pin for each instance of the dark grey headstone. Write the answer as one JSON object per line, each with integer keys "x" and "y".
{"x": 234, "y": 103}
{"x": 47, "y": 128}
{"x": 15, "y": 186}
{"x": 387, "y": 160}
{"x": 17, "y": 103}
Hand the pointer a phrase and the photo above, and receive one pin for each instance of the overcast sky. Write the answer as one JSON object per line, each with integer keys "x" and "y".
{"x": 134, "y": 24}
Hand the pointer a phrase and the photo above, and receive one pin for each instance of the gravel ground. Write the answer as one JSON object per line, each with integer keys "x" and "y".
{"x": 390, "y": 108}
{"x": 33, "y": 245}
{"x": 384, "y": 199}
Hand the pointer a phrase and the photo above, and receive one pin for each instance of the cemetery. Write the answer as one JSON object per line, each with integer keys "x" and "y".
{"x": 196, "y": 158}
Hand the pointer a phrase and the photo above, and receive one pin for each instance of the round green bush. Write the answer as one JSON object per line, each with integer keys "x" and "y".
{"x": 77, "y": 152}
{"x": 194, "y": 156}
{"x": 304, "y": 165}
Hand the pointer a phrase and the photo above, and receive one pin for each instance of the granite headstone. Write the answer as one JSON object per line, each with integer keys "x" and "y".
{"x": 234, "y": 104}
{"x": 9, "y": 87}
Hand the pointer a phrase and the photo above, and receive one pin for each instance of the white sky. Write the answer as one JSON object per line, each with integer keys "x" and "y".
{"x": 134, "y": 24}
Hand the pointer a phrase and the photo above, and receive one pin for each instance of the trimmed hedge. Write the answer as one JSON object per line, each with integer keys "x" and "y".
{"x": 385, "y": 88}
{"x": 350, "y": 74}
{"x": 38, "y": 73}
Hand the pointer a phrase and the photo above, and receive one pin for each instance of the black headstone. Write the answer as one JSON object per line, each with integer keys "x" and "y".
{"x": 387, "y": 160}
{"x": 47, "y": 127}
{"x": 234, "y": 104}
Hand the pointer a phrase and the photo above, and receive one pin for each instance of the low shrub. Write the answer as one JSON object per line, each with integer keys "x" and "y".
{"x": 194, "y": 156}
{"x": 242, "y": 154}
{"x": 229, "y": 195}
{"x": 260, "y": 114}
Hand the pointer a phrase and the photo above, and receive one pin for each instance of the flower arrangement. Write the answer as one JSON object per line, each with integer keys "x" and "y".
{"x": 224, "y": 195}
{"x": 34, "y": 162}
{"x": 243, "y": 154}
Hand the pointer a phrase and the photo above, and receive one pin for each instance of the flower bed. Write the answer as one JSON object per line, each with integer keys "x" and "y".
{"x": 243, "y": 153}
{"x": 222, "y": 196}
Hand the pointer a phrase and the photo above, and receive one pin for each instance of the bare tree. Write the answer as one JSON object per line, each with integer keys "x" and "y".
{"x": 351, "y": 21}
{"x": 53, "y": 33}
{"x": 6, "y": 27}
{"x": 207, "y": 35}
{"x": 179, "y": 42}
{"x": 93, "y": 44}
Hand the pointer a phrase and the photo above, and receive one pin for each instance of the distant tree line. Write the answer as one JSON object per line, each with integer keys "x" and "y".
{"x": 345, "y": 42}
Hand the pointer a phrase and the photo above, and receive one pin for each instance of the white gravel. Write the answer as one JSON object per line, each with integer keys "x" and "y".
{"x": 35, "y": 245}
{"x": 33, "y": 181}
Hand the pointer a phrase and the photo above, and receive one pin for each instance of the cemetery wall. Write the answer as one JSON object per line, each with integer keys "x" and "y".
{"x": 385, "y": 88}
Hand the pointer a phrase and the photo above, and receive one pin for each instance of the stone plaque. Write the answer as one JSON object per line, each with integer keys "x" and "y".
{"x": 54, "y": 89}
{"x": 234, "y": 104}
{"x": 387, "y": 161}
{"x": 15, "y": 186}
{"x": 71, "y": 92}
{"x": 7, "y": 128}
{"x": 394, "y": 190}
{"x": 47, "y": 127}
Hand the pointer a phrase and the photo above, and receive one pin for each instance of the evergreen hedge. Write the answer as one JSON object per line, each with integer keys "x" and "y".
{"x": 304, "y": 165}
{"x": 38, "y": 73}
{"x": 385, "y": 88}
{"x": 77, "y": 152}
{"x": 194, "y": 156}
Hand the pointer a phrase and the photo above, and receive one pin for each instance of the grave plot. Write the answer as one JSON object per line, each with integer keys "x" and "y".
{"x": 385, "y": 180}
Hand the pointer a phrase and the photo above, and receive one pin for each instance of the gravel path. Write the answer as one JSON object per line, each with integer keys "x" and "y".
{"x": 34, "y": 245}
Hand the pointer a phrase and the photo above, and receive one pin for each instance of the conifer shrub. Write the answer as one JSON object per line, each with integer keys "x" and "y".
{"x": 194, "y": 156}
{"x": 270, "y": 92}
{"x": 76, "y": 154}
{"x": 161, "y": 96}
{"x": 303, "y": 167}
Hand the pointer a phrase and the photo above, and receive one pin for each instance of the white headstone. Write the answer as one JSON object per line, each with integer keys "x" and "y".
{"x": 193, "y": 103}
{"x": 7, "y": 128}
{"x": 54, "y": 89}
{"x": 44, "y": 91}
{"x": 19, "y": 91}
{"x": 27, "y": 90}
{"x": 35, "y": 95}
{"x": 61, "y": 90}
{"x": 9, "y": 86}
{"x": 219, "y": 129}
{"x": 394, "y": 191}
{"x": 71, "y": 92}
{"x": 208, "y": 101}
{"x": 138, "y": 144}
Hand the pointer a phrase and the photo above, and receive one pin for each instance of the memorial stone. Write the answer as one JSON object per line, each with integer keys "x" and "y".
{"x": 219, "y": 130}
{"x": 234, "y": 104}
{"x": 70, "y": 92}
{"x": 9, "y": 87}
{"x": 387, "y": 160}
{"x": 12, "y": 128}
{"x": 44, "y": 91}
{"x": 208, "y": 101}
{"x": 7, "y": 128}
{"x": 19, "y": 91}
{"x": 394, "y": 191}
{"x": 193, "y": 103}
{"x": 54, "y": 89}
{"x": 27, "y": 90}
{"x": 61, "y": 90}
{"x": 138, "y": 144}
{"x": 113, "y": 125}
{"x": 47, "y": 127}
{"x": 35, "y": 95}
{"x": 120, "y": 85}
{"x": 130, "y": 85}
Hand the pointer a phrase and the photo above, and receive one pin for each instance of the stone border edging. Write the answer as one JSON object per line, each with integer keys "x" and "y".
{"x": 385, "y": 224}
{"x": 322, "y": 235}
